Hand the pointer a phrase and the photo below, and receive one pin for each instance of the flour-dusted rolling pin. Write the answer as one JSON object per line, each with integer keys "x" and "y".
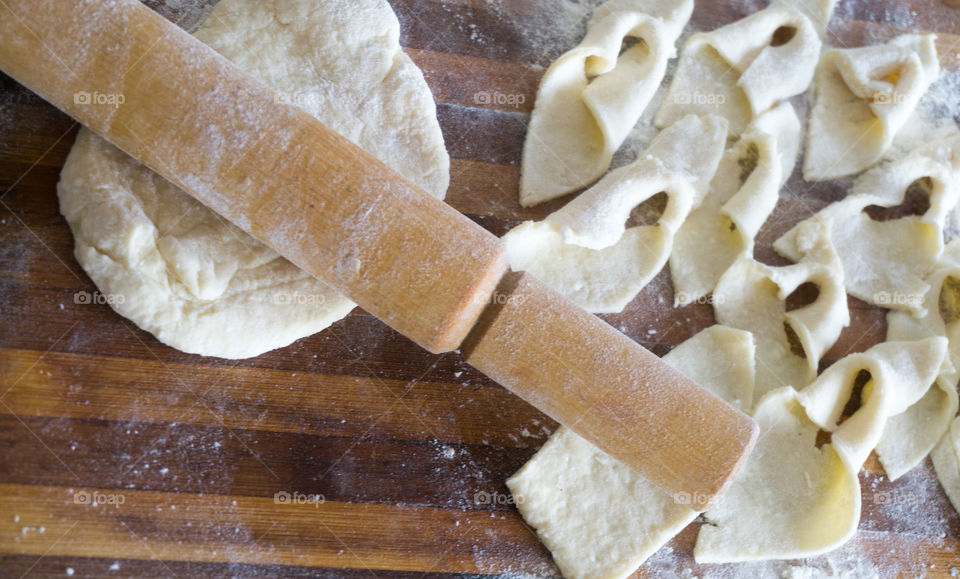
{"x": 343, "y": 216}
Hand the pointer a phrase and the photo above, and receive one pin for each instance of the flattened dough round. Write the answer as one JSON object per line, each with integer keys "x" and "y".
{"x": 181, "y": 272}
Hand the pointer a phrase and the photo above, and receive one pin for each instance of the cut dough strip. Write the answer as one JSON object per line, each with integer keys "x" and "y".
{"x": 593, "y": 95}
{"x": 598, "y": 517}
{"x": 885, "y": 262}
{"x": 743, "y": 193}
{"x": 864, "y": 96}
{"x": 585, "y": 251}
{"x": 752, "y": 296}
{"x": 737, "y": 71}
{"x": 793, "y": 499}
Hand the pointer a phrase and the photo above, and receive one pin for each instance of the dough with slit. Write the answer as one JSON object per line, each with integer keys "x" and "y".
{"x": 914, "y": 433}
{"x": 592, "y": 96}
{"x": 598, "y": 517}
{"x": 737, "y": 71}
{"x": 864, "y": 96}
{"x": 584, "y": 250}
{"x": 793, "y": 499}
{"x": 752, "y": 296}
{"x": 885, "y": 262}
{"x": 182, "y": 273}
{"x": 742, "y": 194}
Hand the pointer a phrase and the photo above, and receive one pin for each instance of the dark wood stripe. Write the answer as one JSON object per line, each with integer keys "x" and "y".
{"x": 211, "y": 460}
{"x": 238, "y": 397}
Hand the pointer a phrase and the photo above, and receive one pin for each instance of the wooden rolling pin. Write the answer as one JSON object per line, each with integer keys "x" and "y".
{"x": 343, "y": 216}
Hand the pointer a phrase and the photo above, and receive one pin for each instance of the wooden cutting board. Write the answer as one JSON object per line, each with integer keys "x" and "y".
{"x": 189, "y": 460}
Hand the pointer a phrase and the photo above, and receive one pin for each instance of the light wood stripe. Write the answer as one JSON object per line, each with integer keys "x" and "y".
{"x": 191, "y": 527}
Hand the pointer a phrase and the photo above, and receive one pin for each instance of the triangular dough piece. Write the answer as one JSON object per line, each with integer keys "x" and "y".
{"x": 597, "y": 516}
{"x": 584, "y": 250}
{"x": 752, "y": 296}
{"x": 885, "y": 262}
{"x": 743, "y": 193}
{"x": 737, "y": 71}
{"x": 592, "y": 96}
{"x": 793, "y": 499}
{"x": 864, "y": 96}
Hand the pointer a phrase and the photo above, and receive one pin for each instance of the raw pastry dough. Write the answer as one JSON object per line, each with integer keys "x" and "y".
{"x": 598, "y": 517}
{"x": 913, "y": 433}
{"x": 818, "y": 11}
{"x": 737, "y": 71}
{"x": 794, "y": 500}
{"x": 752, "y": 296}
{"x": 864, "y": 96}
{"x": 743, "y": 193}
{"x": 885, "y": 262}
{"x": 593, "y": 95}
{"x": 584, "y": 250}
{"x": 178, "y": 270}
{"x": 946, "y": 461}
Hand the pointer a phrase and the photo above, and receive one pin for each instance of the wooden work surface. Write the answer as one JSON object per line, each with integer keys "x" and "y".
{"x": 404, "y": 446}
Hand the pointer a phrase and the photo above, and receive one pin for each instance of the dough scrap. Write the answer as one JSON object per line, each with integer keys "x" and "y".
{"x": 584, "y": 250}
{"x": 592, "y": 96}
{"x": 864, "y": 96}
{"x": 752, "y": 296}
{"x": 177, "y": 269}
{"x": 598, "y": 517}
{"x": 946, "y": 463}
{"x": 737, "y": 71}
{"x": 885, "y": 262}
{"x": 742, "y": 195}
{"x": 793, "y": 499}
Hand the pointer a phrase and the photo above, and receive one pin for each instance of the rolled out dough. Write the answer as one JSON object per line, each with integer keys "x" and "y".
{"x": 196, "y": 282}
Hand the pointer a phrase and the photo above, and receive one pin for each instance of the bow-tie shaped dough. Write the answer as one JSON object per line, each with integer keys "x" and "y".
{"x": 926, "y": 421}
{"x": 738, "y": 71}
{"x": 598, "y": 517}
{"x": 742, "y": 195}
{"x": 864, "y": 96}
{"x": 885, "y": 262}
{"x": 592, "y": 96}
{"x": 752, "y": 296}
{"x": 585, "y": 251}
{"x": 793, "y": 499}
